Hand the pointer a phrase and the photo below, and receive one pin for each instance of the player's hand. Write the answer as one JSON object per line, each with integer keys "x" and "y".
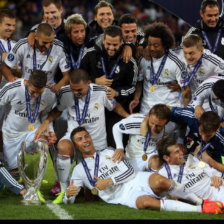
{"x": 198, "y": 111}
{"x": 118, "y": 155}
{"x": 102, "y": 80}
{"x": 133, "y": 104}
{"x": 54, "y": 88}
{"x": 146, "y": 54}
{"x": 173, "y": 86}
{"x": 44, "y": 127}
{"x": 72, "y": 189}
{"x": 126, "y": 53}
{"x": 111, "y": 93}
{"x": 51, "y": 138}
{"x": 216, "y": 181}
{"x": 101, "y": 184}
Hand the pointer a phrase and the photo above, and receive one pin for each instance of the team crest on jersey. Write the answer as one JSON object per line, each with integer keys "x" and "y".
{"x": 221, "y": 65}
{"x": 50, "y": 59}
{"x": 222, "y": 41}
{"x": 10, "y": 57}
{"x": 202, "y": 71}
{"x": 42, "y": 102}
{"x": 121, "y": 126}
{"x": 166, "y": 72}
{"x": 117, "y": 69}
{"x": 191, "y": 167}
{"x": 96, "y": 106}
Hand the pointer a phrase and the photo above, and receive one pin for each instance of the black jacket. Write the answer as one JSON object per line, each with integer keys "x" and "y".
{"x": 124, "y": 77}
{"x": 211, "y": 34}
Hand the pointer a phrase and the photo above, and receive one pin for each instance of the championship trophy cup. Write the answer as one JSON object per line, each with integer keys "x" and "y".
{"x": 32, "y": 164}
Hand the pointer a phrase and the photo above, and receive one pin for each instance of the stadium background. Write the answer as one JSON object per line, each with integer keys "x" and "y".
{"x": 29, "y": 13}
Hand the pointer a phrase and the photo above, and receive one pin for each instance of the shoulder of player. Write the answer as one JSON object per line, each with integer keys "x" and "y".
{"x": 64, "y": 90}
{"x": 21, "y": 43}
{"x": 11, "y": 87}
{"x": 98, "y": 88}
{"x": 209, "y": 57}
{"x": 89, "y": 51}
{"x": 173, "y": 57}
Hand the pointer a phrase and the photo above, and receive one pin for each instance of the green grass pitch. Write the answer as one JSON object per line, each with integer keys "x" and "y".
{"x": 12, "y": 209}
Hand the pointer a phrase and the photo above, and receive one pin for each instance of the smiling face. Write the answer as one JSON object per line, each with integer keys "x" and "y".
{"x": 83, "y": 142}
{"x": 7, "y": 28}
{"x": 80, "y": 89}
{"x": 129, "y": 32}
{"x": 104, "y": 17}
{"x": 155, "y": 46}
{"x": 53, "y": 15}
{"x": 210, "y": 16}
{"x": 112, "y": 44}
{"x": 44, "y": 42}
{"x": 34, "y": 92}
{"x": 192, "y": 54}
{"x": 176, "y": 156}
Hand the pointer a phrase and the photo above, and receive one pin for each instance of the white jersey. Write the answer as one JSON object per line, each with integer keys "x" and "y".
{"x": 204, "y": 92}
{"x": 16, "y": 123}
{"x": 95, "y": 117}
{"x": 127, "y": 185}
{"x": 211, "y": 65}
{"x": 23, "y": 54}
{"x": 173, "y": 70}
{"x": 197, "y": 180}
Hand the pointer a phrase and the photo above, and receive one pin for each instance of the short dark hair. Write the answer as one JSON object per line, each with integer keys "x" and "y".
{"x": 57, "y": 3}
{"x": 209, "y": 122}
{"x": 163, "y": 145}
{"x": 45, "y": 28}
{"x": 162, "y": 31}
{"x": 38, "y": 79}
{"x": 78, "y": 75}
{"x": 76, "y": 130}
{"x": 127, "y": 19}
{"x": 101, "y": 4}
{"x": 218, "y": 89}
{"x": 161, "y": 111}
{"x": 211, "y": 3}
{"x": 6, "y": 13}
{"x": 113, "y": 31}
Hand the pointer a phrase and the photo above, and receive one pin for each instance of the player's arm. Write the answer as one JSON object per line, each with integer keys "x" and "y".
{"x": 44, "y": 127}
{"x": 7, "y": 73}
{"x": 63, "y": 82}
{"x": 138, "y": 92}
{"x": 120, "y": 110}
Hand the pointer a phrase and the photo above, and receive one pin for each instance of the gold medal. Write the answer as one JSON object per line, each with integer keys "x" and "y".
{"x": 30, "y": 127}
{"x": 152, "y": 88}
{"x": 144, "y": 157}
{"x": 94, "y": 191}
{"x": 201, "y": 164}
{"x": 222, "y": 125}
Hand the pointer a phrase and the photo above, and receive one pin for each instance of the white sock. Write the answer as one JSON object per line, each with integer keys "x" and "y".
{"x": 173, "y": 205}
{"x": 178, "y": 190}
{"x": 63, "y": 166}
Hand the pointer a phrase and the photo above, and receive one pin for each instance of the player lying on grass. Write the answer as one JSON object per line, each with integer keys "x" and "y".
{"x": 118, "y": 183}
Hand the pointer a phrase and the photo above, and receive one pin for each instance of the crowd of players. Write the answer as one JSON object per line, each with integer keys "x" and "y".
{"x": 142, "y": 118}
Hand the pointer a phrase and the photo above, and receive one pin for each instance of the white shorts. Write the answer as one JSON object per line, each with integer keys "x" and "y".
{"x": 137, "y": 187}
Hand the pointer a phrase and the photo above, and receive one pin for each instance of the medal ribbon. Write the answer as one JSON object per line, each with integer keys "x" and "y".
{"x": 188, "y": 80}
{"x": 77, "y": 111}
{"x": 180, "y": 175}
{"x": 96, "y": 168}
{"x": 3, "y": 48}
{"x": 28, "y": 107}
{"x": 147, "y": 139}
{"x": 154, "y": 77}
{"x": 214, "y": 109}
{"x": 112, "y": 70}
{"x": 76, "y": 65}
{"x": 216, "y": 41}
{"x": 199, "y": 155}
{"x": 35, "y": 58}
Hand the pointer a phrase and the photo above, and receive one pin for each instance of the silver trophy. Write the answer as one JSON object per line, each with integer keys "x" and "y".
{"x": 32, "y": 164}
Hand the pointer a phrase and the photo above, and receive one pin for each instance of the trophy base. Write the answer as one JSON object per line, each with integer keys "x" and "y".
{"x": 32, "y": 198}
